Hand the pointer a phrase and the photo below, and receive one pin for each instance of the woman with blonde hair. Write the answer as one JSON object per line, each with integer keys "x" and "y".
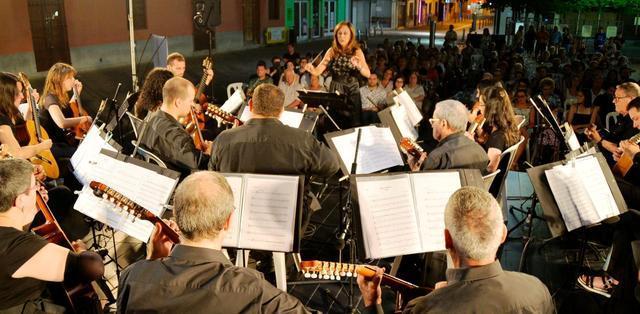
{"x": 346, "y": 62}
{"x": 56, "y": 114}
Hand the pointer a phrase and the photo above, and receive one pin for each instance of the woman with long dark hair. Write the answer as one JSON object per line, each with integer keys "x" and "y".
{"x": 11, "y": 95}
{"x": 151, "y": 93}
{"x": 501, "y": 128}
{"x": 347, "y": 63}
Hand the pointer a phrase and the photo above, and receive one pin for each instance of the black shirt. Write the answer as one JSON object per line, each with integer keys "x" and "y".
{"x": 622, "y": 130}
{"x": 199, "y": 280}
{"x": 56, "y": 134}
{"x": 497, "y": 140}
{"x": 4, "y": 120}
{"x": 270, "y": 147}
{"x": 166, "y": 138}
{"x": 456, "y": 151}
{"x": 16, "y": 248}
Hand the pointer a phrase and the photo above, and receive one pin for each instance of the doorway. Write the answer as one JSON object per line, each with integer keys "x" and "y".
{"x": 49, "y": 33}
{"x": 329, "y": 17}
{"x": 251, "y": 21}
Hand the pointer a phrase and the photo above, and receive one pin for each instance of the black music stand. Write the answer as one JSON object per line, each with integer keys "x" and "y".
{"x": 334, "y": 102}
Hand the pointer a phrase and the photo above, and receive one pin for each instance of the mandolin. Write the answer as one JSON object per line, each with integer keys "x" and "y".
{"x": 337, "y": 271}
{"x": 410, "y": 147}
{"x": 73, "y": 295}
{"x": 105, "y": 192}
{"x": 622, "y": 166}
{"x": 214, "y": 111}
{"x": 37, "y": 133}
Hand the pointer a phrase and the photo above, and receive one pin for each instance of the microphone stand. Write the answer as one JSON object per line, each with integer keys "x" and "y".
{"x": 347, "y": 229}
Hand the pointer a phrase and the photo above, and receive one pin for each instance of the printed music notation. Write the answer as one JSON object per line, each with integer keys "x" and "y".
{"x": 145, "y": 187}
{"x": 404, "y": 213}
{"x": 581, "y": 192}
{"x": 265, "y": 213}
{"x": 377, "y": 151}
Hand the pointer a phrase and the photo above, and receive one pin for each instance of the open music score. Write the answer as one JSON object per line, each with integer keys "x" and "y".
{"x": 377, "y": 151}
{"x": 582, "y": 192}
{"x": 403, "y": 213}
{"x": 287, "y": 117}
{"x": 135, "y": 179}
{"x": 413, "y": 113}
{"x": 265, "y": 211}
{"x": 87, "y": 151}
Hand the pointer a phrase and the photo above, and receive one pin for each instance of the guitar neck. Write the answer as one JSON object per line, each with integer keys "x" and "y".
{"x": 35, "y": 115}
{"x": 132, "y": 207}
{"x": 635, "y": 139}
{"x": 201, "y": 86}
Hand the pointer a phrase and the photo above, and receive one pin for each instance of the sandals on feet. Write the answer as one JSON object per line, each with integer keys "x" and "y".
{"x": 586, "y": 282}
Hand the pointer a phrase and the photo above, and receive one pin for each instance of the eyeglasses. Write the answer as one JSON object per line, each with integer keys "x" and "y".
{"x": 616, "y": 98}
{"x": 433, "y": 121}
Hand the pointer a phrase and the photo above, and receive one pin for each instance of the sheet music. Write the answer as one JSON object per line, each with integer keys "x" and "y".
{"x": 598, "y": 189}
{"x": 412, "y": 110}
{"x": 231, "y": 239}
{"x": 377, "y": 151}
{"x": 406, "y": 128}
{"x": 145, "y": 187}
{"x": 269, "y": 211}
{"x": 432, "y": 191}
{"x": 389, "y": 222}
{"x": 87, "y": 151}
{"x": 290, "y": 118}
{"x": 234, "y": 102}
{"x": 573, "y": 202}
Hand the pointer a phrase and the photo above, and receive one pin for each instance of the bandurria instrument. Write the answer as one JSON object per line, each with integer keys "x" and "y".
{"x": 625, "y": 162}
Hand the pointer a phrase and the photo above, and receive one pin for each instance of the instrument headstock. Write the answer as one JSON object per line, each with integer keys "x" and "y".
{"x": 103, "y": 191}
{"x": 328, "y": 270}
{"x": 214, "y": 111}
{"x": 207, "y": 63}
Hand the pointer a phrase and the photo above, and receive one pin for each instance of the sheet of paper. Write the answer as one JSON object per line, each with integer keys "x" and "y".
{"x": 235, "y": 182}
{"x": 389, "y": 223}
{"x": 87, "y": 151}
{"x": 432, "y": 192}
{"x": 412, "y": 110}
{"x": 145, "y": 187}
{"x": 234, "y": 102}
{"x": 269, "y": 211}
{"x": 377, "y": 151}
{"x": 598, "y": 189}
{"x": 291, "y": 118}
{"x": 407, "y": 129}
{"x": 574, "y": 203}
{"x": 246, "y": 114}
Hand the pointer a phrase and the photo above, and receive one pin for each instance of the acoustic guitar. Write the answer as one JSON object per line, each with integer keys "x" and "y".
{"x": 37, "y": 133}
{"x": 338, "y": 271}
{"x": 201, "y": 99}
{"x": 75, "y": 104}
{"x": 135, "y": 210}
{"x": 622, "y": 166}
{"x": 75, "y": 296}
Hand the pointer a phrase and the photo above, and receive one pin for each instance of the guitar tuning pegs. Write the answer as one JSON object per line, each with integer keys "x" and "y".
{"x": 307, "y": 275}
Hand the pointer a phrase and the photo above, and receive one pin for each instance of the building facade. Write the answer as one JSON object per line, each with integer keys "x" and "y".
{"x": 309, "y": 19}
{"x": 95, "y": 34}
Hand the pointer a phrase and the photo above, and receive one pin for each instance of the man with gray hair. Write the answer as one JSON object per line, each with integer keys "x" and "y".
{"x": 473, "y": 232}
{"x": 195, "y": 277}
{"x": 454, "y": 150}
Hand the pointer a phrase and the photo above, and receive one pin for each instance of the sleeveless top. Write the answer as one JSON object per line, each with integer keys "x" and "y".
{"x": 342, "y": 69}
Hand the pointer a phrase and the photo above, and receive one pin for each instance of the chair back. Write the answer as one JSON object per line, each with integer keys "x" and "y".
{"x": 136, "y": 123}
{"x": 488, "y": 179}
{"x": 506, "y": 159}
{"x": 231, "y": 88}
{"x": 149, "y": 156}
{"x": 611, "y": 115}
{"x": 520, "y": 119}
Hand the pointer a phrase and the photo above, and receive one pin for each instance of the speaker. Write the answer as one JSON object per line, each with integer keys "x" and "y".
{"x": 206, "y": 14}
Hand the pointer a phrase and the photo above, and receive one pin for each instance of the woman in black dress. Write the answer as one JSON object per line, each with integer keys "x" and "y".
{"x": 346, "y": 62}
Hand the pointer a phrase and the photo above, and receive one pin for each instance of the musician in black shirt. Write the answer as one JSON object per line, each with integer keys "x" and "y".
{"x": 166, "y": 137}
{"x": 28, "y": 261}
{"x": 623, "y": 128}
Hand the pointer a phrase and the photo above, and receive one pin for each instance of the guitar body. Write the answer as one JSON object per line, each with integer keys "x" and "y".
{"x": 622, "y": 166}
{"x": 50, "y": 165}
